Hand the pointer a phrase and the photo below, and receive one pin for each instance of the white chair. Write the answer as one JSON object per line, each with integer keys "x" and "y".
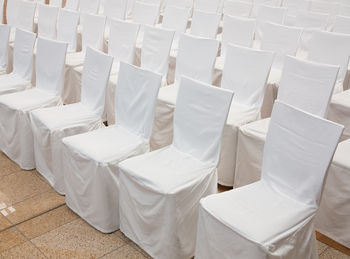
{"x": 305, "y": 85}
{"x": 12, "y": 10}
{"x": 237, "y": 31}
{"x": 145, "y": 13}
{"x": 57, "y": 3}
{"x": 92, "y": 190}
{"x": 180, "y": 3}
{"x": 93, "y": 37}
{"x": 205, "y": 24}
{"x": 341, "y": 24}
{"x": 115, "y": 9}
{"x": 298, "y": 150}
{"x": 47, "y": 21}
{"x": 51, "y": 125}
{"x": 237, "y": 8}
{"x": 67, "y": 26}
{"x": 320, "y": 48}
{"x": 4, "y": 48}
{"x": 258, "y": 3}
{"x": 15, "y": 130}
{"x": 344, "y": 10}
{"x": 245, "y": 73}
{"x": 332, "y": 217}
{"x": 89, "y": 6}
{"x": 328, "y": 7}
{"x": 26, "y": 13}
{"x": 72, "y": 5}
{"x": 20, "y": 78}
{"x": 171, "y": 181}
{"x": 211, "y": 6}
{"x": 339, "y": 111}
{"x": 311, "y": 20}
{"x": 293, "y": 6}
{"x": 195, "y": 59}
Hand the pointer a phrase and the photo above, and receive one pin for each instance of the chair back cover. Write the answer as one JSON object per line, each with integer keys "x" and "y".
{"x": 89, "y": 6}
{"x": 258, "y": 3}
{"x": 97, "y": 67}
{"x": 196, "y": 58}
{"x": 4, "y": 47}
{"x": 281, "y": 39}
{"x": 26, "y": 15}
{"x": 23, "y": 54}
{"x": 341, "y": 24}
{"x": 2, "y": 11}
{"x": 330, "y": 48}
{"x": 47, "y": 21}
{"x": 205, "y": 24}
{"x": 93, "y": 31}
{"x": 245, "y": 73}
{"x": 135, "y": 98}
{"x": 180, "y": 3}
{"x": 311, "y": 20}
{"x": 269, "y": 14}
{"x": 307, "y": 85}
{"x": 50, "y": 62}
{"x": 175, "y": 18}
{"x": 344, "y": 10}
{"x": 238, "y": 31}
{"x": 298, "y": 149}
{"x": 156, "y": 49}
{"x": 237, "y": 8}
{"x": 294, "y": 6}
{"x": 72, "y": 5}
{"x": 67, "y": 26}
{"x": 199, "y": 118}
{"x": 212, "y": 6}
{"x": 57, "y": 3}
{"x": 12, "y": 10}
{"x": 122, "y": 40}
{"x": 328, "y": 7}
{"x": 115, "y": 9}
{"x": 145, "y": 13}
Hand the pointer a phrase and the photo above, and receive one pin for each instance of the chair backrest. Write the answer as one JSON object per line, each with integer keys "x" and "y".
{"x": 26, "y": 15}
{"x": 97, "y": 67}
{"x": 89, "y": 6}
{"x": 72, "y": 5}
{"x": 156, "y": 49}
{"x": 135, "y": 98}
{"x": 175, "y": 18}
{"x": 2, "y": 12}
{"x": 258, "y": 3}
{"x": 47, "y": 21}
{"x": 4, "y": 47}
{"x": 23, "y": 54}
{"x": 50, "y": 63}
{"x": 67, "y": 25}
{"x": 115, "y": 9}
{"x": 12, "y": 11}
{"x": 269, "y": 14}
{"x": 311, "y": 20}
{"x": 283, "y": 40}
{"x": 341, "y": 24}
{"x": 145, "y": 13}
{"x": 122, "y": 40}
{"x": 57, "y": 3}
{"x": 238, "y": 31}
{"x": 196, "y": 58}
{"x": 297, "y": 152}
{"x": 199, "y": 118}
{"x": 330, "y": 48}
{"x": 237, "y": 8}
{"x": 180, "y": 3}
{"x": 212, "y": 6}
{"x": 93, "y": 31}
{"x": 307, "y": 85}
{"x": 344, "y": 10}
{"x": 294, "y": 6}
{"x": 327, "y": 7}
{"x": 205, "y": 24}
{"x": 245, "y": 73}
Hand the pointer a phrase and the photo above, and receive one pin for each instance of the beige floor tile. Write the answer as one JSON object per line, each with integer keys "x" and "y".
{"x": 10, "y": 238}
{"x": 4, "y": 223}
{"x": 135, "y": 246}
{"x": 19, "y": 186}
{"x": 7, "y": 166}
{"x": 26, "y": 250}
{"x": 125, "y": 252}
{"x": 332, "y": 253}
{"x": 321, "y": 247}
{"x": 47, "y": 222}
{"x": 35, "y": 206}
{"x": 77, "y": 239}
{"x": 122, "y": 237}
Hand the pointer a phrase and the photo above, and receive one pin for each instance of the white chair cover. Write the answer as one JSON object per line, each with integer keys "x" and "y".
{"x": 180, "y": 3}
{"x": 172, "y": 180}
{"x": 145, "y": 13}
{"x": 341, "y": 24}
{"x": 212, "y": 6}
{"x": 52, "y": 124}
{"x": 4, "y": 36}
{"x": 298, "y": 150}
{"x": 344, "y": 10}
{"x": 67, "y": 26}
{"x": 237, "y": 31}
{"x": 205, "y": 24}
{"x": 47, "y": 21}
{"x": 57, "y": 3}
{"x": 311, "y": 20}
{"x": 72, "y": 5}
{"x": 328, "y": 7}
{"x": 339, "y": 111}
{"x": 294, "y": 6}
{"x": 2, "y": 12}
{"x": 15, "y": 130}
{"x": 195, "y": 59}
{"x": 237, "y": 8}
{"x": 332, "y": 217}
{"x": 89, "y": 6}
{"x": 93, "y": 31}
{"x": 115, "y": 9}
{"x": 26, "y": 13}
{"x": 240, "y": 64}
{"x": 98, "y": 153}
{"x": 12, "y": 11}
{"x": 305, "y": 85}
{"x": 258, "y": 3}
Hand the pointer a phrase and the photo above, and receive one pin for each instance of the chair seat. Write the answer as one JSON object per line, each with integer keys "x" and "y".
{"x": 105, "y": 145}
{"x": 256, "y": 129}
{"x": 166, "y": 170}
{"x": 75, "y": 59}
{"x": 168, "y": 94}
{"x": 257, "y": 212}
{"x": 10, "y": 83}
{"x": 240, "y": 114}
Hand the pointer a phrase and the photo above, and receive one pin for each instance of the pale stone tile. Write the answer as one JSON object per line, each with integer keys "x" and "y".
{"x": 10, "y": 238}
{"x": 26, "y": 250}
{"x": 125, "y": 252}
{"x": 332, "y": 253}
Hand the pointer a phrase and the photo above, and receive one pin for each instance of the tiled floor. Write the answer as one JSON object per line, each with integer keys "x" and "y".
{"x": 36, "y": 223}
